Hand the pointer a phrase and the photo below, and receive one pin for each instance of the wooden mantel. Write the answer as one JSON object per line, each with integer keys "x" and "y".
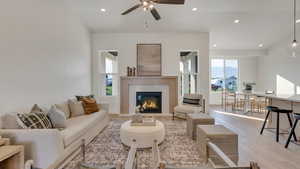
{"x": 125, "y": 82}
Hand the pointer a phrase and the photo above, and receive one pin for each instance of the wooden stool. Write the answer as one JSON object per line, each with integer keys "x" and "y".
{"x": 197, "y": 119}
{"x": 224, "y": 138}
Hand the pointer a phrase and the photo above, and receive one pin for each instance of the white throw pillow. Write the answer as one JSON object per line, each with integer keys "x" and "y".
{"x": 76, "y": 108}
{"x": 57, "y": 117}
{"x": 64, "y": 107}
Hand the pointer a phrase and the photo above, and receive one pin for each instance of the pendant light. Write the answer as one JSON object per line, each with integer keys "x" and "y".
{"x": 295, "y": 42}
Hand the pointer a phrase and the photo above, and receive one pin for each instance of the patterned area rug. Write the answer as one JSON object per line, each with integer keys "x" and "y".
{"x": 177, "y": 149}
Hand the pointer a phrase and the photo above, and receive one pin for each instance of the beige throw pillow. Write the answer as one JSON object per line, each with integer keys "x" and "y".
{"x": 36, "y": 108}
{"x": 64, "y": 107}
{"x": 76, "y": 108}
{"x": 9, "y": 121}
{"x": 57, "y": 117}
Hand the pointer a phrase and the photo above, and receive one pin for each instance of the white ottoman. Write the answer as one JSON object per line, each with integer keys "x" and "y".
{"x": 144, "y": 135}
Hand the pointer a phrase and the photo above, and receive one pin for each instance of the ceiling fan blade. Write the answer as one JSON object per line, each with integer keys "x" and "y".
{"x": 176, "y": 2}
{"x": 155, "y": 14}
{"x": 131, "y": 9}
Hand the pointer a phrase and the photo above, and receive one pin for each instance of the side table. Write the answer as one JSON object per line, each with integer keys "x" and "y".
{"x": 12, "y": 157}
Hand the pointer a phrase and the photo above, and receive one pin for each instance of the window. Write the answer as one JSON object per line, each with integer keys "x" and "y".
{"x": 188, "y": 72}
{"x": 224, "y": 74}
{"x": 109, "y": 73}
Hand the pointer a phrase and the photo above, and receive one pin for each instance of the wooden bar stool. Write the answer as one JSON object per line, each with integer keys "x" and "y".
{"x": 292, "y": 132}
{"x": 279, "y": 111}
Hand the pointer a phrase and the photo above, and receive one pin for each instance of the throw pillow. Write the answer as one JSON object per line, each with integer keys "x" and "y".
{"x": 89, "y": 105}
{"x": 64, "y": 107}
{"x": 9, "y": 121}
{"x": 36, "y": 108}
{"x": 34, "y": 121}
{"x": 191, "y": 101}
{"x": 76, "y": 108}
{"x": 79, "y": 98}
{"x": 57, "y": 117}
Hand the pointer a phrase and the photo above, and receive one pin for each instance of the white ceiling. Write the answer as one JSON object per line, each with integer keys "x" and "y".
{"x": 261, "y": 21}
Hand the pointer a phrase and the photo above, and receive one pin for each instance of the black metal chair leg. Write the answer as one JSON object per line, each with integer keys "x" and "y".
{"x": 291, "y": 134}
{"x": 265, "y": 122}
{"x": 291, "y": 124}
{"x": 277, "y": 127}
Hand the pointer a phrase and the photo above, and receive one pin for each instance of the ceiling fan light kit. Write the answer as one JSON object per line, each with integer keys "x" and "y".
{"x": 148, "y": 5}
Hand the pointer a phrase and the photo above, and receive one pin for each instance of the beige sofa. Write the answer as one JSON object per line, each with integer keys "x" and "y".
{"x": 52, "y": 148}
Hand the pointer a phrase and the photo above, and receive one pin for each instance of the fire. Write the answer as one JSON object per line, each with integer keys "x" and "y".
{"x": 149, "y": 104}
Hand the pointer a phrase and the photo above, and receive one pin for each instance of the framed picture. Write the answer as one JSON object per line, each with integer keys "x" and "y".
{"x": 149, "y": 59}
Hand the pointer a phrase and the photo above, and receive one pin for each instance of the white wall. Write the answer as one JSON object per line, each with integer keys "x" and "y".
{"x": 278, "y": 70}
{"x": 44, "y": 54}
{"x": 172, "y": 43}
{"x": 247, "y": 60}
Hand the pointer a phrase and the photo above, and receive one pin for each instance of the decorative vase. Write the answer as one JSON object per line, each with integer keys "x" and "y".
{"x": 128, "y": 70}
{"x": 133, "y": 71}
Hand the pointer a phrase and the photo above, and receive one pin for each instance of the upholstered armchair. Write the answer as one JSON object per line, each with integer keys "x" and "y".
{"x": 191, "y": 103}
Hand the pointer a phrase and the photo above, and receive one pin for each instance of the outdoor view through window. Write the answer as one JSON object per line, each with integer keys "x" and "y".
{"x": 224, "y": 74}
{"x": 188, "y": 72}
{"x": 109, "y": 60}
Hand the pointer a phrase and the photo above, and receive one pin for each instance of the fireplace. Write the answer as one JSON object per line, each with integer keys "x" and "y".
{"x": 151, "y": 102}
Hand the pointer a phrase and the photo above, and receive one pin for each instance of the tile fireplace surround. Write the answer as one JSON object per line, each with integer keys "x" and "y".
{"x": 127, "y": 83}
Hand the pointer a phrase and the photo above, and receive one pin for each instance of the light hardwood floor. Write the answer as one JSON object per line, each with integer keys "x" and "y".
{"x": 259, "y": 148}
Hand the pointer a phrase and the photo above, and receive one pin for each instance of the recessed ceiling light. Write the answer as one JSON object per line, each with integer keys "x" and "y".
{"x": 103, "y": 10}
{"x": 214, "y": 45}
{"x": 298, "y": 21}
{"x": 261, "y": 45}
{"x": 236, "y": 21}
{"x": 194, "y": 9}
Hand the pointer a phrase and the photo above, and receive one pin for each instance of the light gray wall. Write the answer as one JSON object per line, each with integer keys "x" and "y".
{"x": 44, "y": 54}
{"x": 278, "y": 70}
{"x": 172, "y": 44}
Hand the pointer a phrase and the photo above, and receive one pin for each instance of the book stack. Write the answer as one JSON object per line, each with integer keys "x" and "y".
{"x": 144, "y": 122}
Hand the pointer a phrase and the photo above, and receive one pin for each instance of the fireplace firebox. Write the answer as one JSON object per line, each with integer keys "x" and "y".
{"x": 151, "y": 102}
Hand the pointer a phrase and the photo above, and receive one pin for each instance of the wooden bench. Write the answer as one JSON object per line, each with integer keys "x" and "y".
{"x": 223, "y": 138}
{"x": 197, "y": 119}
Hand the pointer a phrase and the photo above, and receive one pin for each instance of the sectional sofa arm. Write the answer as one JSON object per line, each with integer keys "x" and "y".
{"x": 43, "y": 146}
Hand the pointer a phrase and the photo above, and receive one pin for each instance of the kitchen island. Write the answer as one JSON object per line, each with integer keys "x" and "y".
{"x": 283, "y": 101}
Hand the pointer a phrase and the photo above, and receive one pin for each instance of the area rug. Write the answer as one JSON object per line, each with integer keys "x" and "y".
{"x": 177, "y": 150}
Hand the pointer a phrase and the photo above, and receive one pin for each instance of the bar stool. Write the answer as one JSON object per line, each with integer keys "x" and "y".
{"x": 292, "y": 132}
{"x": 278, "y": 111}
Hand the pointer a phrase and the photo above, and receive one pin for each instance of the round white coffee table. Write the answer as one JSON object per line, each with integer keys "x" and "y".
{"x": 144, "y": 135}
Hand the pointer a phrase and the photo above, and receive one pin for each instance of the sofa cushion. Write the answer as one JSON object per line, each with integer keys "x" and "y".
{"x": 78, "y": 126}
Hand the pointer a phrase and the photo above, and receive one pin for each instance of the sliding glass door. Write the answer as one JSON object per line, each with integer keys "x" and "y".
{"x": 224, "y": 74}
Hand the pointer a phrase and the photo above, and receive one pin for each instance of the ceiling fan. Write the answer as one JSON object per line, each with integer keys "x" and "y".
{"x": 148, "y": 5}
